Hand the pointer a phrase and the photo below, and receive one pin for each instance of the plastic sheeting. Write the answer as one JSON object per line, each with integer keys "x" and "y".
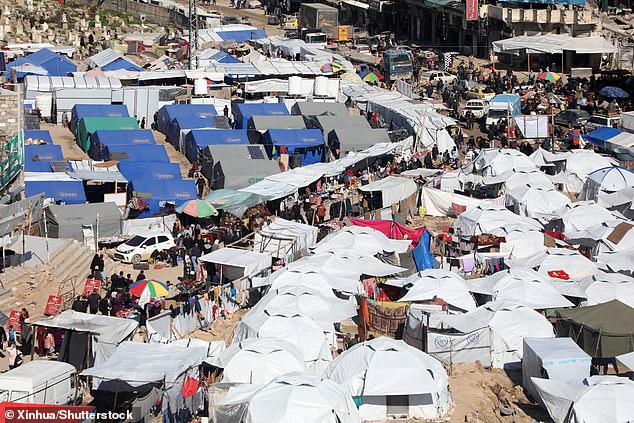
{"x": 437, "y": 283}
{"x": 282, "y": 238}
{"x": 392, "y": 188}
{"x": 38, "y": 158}
{"x": 537, "y": 203}
{"x": 491, "y": 219}
{"x": 554, "y": 44}
{"x": 168, "y": 191}
{"x": 603, "y": 287}
{"x": 238, "y": 263}
{"x": 235, "y": 202}
{"x": 361, "y": 239}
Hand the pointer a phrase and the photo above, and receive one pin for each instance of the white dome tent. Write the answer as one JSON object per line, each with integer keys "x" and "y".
{"x": 258, "y": 360}
{"x": 439, "y": 283}
{"x": 607, "y": 179}
{"x": 495, "y": 162}
{"x": 392, "y": 379}
{"x": 493, "y": 334}
{"x": 290, "y": 398}
{"x": 537, "y": 203}
{"x": 362, "y": 239}
{"x": 534, "y": 179}
{"x": 521, "y": 285}
{"x": 603, "y": 287}
{"x": 598, "y": 399}
{"x": 552, "y": 261}
{"x": 491, "y": 219}
{"x": 580, "y": 164}
{"x": 582, "y": 215}
{"x": 316, "y": 279}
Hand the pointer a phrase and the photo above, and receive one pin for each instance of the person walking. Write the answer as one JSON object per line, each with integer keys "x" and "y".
{"x": 11, "y": 336}
{"x": 93, "y": 301}
{"x": 194, "y": 253}
{"x": 143, "y": 123}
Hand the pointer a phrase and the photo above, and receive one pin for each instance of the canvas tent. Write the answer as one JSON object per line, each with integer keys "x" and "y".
{"x": 355, "y": 139}
{"x": 596, "y": 399}
{"x": 237, "y": 264}
{"x": 491, "y": 219}
{"x": 183, "y": 124}
{"x": 38, "y": 158}
{"x": 603, "y": 330}
{"x": 306, "y": 143}
{"x": 329, "y": 123}
{"x": 138, "y": 152}
{"x": 264, "y": 123}
{"x": 493, "y": 334}
{"x": 198, "y": 139}
{"x": 390, "y": 378}
{"x": 235, "y": 166}
{"x": 364, "y": 240}
{"x": 537, "y": 203}
{"x": 282, "y": 238}
{"x": 603, "y": 287}
{"x": 580, "y": 164}
{"x": 68, "y": 221}
{"x": 258, "y": 360}
{"x": 162, "y": 195}
{"x": 393, "y": 189}
{"x": 169, "y": 112}
{"x": 242, "y": 112}
{"x": 88, "y": 125}
{"x": 68, "y": 191}
{"x": 288, "y": 398}
{"x": 555, "y": 359}
{"x": 43, "y": 62}
{"x": 607, "y": 179}
{"x": 104, "y": 333}
{"x": 311, "y": 108}
{"x": 162, "y": 171}
{"x": 438, "y": 283}
{"x": 571, "y": 262}
{"x": 80, "y": 111}
{"x": 101, "y": 140}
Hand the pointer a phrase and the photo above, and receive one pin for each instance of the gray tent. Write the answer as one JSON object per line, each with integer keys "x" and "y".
{"x": 263, "y": 123}
{"x": 311, "y": 108}
{"x": 330, "y": 123}
{"x": 356, "y": 139}
{"x": 68, "y": 221}
{"x": 236, "y": 166}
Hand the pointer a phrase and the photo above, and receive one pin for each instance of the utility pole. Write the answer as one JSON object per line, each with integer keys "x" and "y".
{"x": 193, "y": 32}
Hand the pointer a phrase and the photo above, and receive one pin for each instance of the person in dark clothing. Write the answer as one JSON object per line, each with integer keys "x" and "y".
{"x": 104, "y": 306}
{"x": 434, "y": 152}
{"x": 188, "y": 242}
{"x": 428, "y": 162}
{"x": 194, "y": 253}
{"x": 93, "y": 301}
{"x": 128, "y": 281}
{"x": 143, "y": 123}
{"x": 140, "y": 276}
{"x": 115, "y": 282}
{"x": 77, "y": 304}
{"x": 225, "y": 111}
{"x": 94, "y": 264}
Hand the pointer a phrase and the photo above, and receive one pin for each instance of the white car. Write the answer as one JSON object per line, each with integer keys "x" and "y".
{"x": 478, "y": 107}
{"x": 433, "y": 76}
{"x": 141, "y": 247}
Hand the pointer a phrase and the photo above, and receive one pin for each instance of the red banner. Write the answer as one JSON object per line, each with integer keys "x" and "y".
{"x": 90, "y": 285}
{"x": 472, "y": 10}
{"x": 14, "y": 319}
{"x": 53, "y": 305}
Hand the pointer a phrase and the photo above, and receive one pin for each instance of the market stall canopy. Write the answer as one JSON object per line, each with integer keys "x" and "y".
{"x": 554, "y": 44}
{"x": 237, "y": 263}
{"x": 235, "y": 202}
{"x": 603, "y": 330}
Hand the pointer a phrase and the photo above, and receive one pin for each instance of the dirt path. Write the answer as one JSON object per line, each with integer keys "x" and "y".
{"x": 63, "y": 137}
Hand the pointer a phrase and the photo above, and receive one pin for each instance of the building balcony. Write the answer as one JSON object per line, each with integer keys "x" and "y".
{"x": 543, "y": 16}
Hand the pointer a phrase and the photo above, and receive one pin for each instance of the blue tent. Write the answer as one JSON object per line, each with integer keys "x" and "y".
{"x": 68, "y": 192}
{"x": 242, "y": 35}
{"x": 422, "y": 253}
{"x": 307, "y": 142}
{"x": 157, "y": 193}
{"x": 121, "y": 63}
{"x": 219, "y": 56}
{"x": 600, "y": 135}
{"x": 170, "y": 112}
{"x": 53, "y": 63}
{"x": 38, "y": 158}
{"x": 39, "y": 134}
{"x": 198, "y": 139}
{"x": 243, "y": 111}
{"x": 193, "y": 122}
{"x": 138, "y": 153}
{"x": 80, "y": 111}
{"x": 101, "y": 140}
{"x": 149, "y": 170}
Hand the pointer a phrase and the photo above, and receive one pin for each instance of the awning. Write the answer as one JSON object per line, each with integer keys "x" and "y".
{"x": 554, "y": 44}
{"x": 356, "y": 3}
{"x": 237, "y": 263}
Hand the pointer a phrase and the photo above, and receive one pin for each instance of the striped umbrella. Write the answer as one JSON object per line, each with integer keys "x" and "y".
{"x": 333, "y": 67}
{"x": 371, "y": 77}
{"x": 154, "y": 288}
{"x": 549, "y": 76}
{"x": 197, "y": 208}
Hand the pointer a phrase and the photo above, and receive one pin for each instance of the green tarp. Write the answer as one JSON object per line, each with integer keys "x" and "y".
{"x": 234, "y": 202}
{"x": 88, "y": 125}
{"x": 603, "y": 330}
{"x": 11, "y": 162}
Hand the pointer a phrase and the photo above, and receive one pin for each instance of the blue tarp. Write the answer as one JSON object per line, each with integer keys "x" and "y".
{"x": 150, "y": 170}
{"x": 222, "y": 57}
{"x": 175, "y": 192}
{"x": 200, "y": 138}
{"x": 68, "y": 192}
{"x": 53, "y": 63}
{"x": 101, "y": 140}
{"x": 242, "y": 36}
{"x": 170, "y": 112}
{"x": 573, "y": 2}
{"x": 188, "y": 122}
{"x": 80, "y": 111}
{"x": 138, "y": 153}
{"x": 307, "y": 142}
{"x": 422, "y": 254}
{"x": 39, "y": 134}
{"x": 600, "y": 135}
{"x": 242, "y": 112}
{"x": 38, "y": 157}
{"x": 121, "y": 63}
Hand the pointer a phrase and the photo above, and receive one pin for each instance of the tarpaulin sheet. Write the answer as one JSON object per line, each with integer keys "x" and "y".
{"x": 80, "y": 111}
{"x": 38, "y": 157}
{"x": 160, "y": 194}
{"x": 69, "y": 192}
{"x": 132, "y": 170}
{"x": 54, "y": 64}
{"x": 393, "y": 189}
{"x": 391, "y": 229}
{"x": 137, "y": 153}
{"x": 39, "y": 135}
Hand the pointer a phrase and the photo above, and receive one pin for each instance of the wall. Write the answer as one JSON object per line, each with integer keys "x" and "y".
{"x": 153, "y": 12}
{"x": 8, "y": 114}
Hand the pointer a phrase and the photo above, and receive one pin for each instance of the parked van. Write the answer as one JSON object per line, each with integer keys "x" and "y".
{"x": 141, "y": 247}
{"x": 41, "y": 382}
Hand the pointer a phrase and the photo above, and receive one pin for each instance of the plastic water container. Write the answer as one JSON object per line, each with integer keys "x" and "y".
{"x": 321, "y": 86}
{"x": 200, "y": 86}
{"x": 295, "y": 85}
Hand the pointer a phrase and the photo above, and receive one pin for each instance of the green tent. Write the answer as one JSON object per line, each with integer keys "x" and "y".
{"x": 603, "y": 330}
{"x": 89, "y": 125}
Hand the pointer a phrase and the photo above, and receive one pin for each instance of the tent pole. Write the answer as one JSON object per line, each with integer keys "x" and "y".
{"x": 529, "y": 62}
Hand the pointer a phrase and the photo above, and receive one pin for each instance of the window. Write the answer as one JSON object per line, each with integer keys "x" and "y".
{"x": 398, "y": 405}
{"x": 150, "y": 241}
{"x": 135, "y": 242}
{"x": 19, "y": 396}
{"x": 72, "y": 381}
{"x": 163, "y": 238}
{"x": 4, "y": 396}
